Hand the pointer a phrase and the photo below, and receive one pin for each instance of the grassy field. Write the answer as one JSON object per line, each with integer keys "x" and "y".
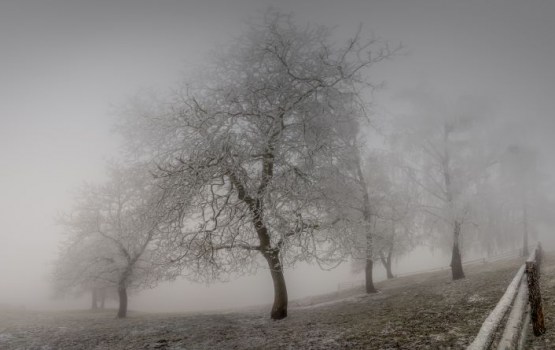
{"x": 426, "y": 311}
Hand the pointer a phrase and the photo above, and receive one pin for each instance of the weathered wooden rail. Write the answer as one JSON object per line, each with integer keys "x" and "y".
{"x": 523, "y": 299}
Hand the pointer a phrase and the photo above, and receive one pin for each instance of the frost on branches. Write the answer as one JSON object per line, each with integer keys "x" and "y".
{"x": 243, "y": 151}
{"x": 112, "y": 235}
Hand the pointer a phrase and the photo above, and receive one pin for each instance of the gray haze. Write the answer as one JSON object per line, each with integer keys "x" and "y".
{"x": 65, "y": 64}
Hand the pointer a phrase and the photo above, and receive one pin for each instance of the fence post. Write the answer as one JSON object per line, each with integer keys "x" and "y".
{"x": 534, "y": 294}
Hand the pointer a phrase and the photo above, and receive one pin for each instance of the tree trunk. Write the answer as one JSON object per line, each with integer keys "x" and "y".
{"x": 456, "y": 259}
{"x": 367, "y": 216}
{"x": 369, "y": 278}
{"x": 369, "y": 261}
{"x": 388, "y": 270}
{"x": 102, "y": 298}
{"x": 94, "y": 301}
{"x": 386, "y": 262}
{"x": 369, "y": 254}
{"x": 122, "y": 294}
{"x": 279, "y": 309}
{"x": 390, "y": 252}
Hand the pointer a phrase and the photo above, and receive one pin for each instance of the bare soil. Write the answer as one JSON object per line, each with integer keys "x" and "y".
{"x": 425, "y": 311}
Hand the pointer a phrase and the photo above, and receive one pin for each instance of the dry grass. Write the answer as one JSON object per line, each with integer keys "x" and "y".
{"x": 426, "y": 311}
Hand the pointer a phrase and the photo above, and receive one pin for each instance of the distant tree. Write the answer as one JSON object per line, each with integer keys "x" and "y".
{"x": 523, "y": 187}
{"x": 448, "y": 161}
{"x": 112, "y": 234}
{"x": 360, "y": 192}
{"x": 99, "y": 294}
{"x": 391, "y": 200}
{"x": 399, "y": 215}
{"x": 496, "y": 224}
{"x": 351, "y": 197}
{"x": 80, "y": 269}
{"x": 244, "y": 149}
{"x": 520, "y": 171}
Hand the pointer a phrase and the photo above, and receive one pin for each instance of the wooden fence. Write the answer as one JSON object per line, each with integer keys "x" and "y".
{"x": 523, "y": 299}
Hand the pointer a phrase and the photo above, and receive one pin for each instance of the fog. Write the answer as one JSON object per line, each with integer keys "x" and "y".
{"x": 67, "y": 66}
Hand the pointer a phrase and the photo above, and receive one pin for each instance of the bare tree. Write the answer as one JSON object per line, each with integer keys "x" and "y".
{"x": 522, "y": 188}
{"x": 382, "y": 202}
{"x": 244, "y": 149}
{"x": 520, "y": 172}
{"x": 448, "y": 163}
{"x": 84, "y": 265}
{"x": 112, "y": 234}
{"x": 399, "y": 214}
{"x": 360, "y": 196}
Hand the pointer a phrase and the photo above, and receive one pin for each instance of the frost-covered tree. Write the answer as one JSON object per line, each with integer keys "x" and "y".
{"x": 399, "y": 214}
{"x": 519, "y": 175}
{"x": 512, "y": 204}
{"x": 448, "y": 161}
{"x": 523, "y": 194}
{"x": 247, "y": 146}
{"x": 382, "y": 209}
{"x": 370, "y": 197}
{"x": 496, "y": 223}
{"x": 112, "y": 235}
{"x": 80, "y": 269}
{"x": 360, "y": 191}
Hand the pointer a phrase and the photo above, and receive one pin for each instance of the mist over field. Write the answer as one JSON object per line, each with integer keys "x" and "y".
{"x": 250, "y": 158}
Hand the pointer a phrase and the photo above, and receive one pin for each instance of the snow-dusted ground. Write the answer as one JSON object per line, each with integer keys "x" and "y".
{"x": 414, "y": 312}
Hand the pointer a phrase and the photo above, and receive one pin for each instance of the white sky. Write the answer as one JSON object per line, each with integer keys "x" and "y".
{"x": 64, "y": 64}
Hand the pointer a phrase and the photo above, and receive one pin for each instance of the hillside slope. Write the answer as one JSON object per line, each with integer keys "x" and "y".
{"x": 415, "y": 312}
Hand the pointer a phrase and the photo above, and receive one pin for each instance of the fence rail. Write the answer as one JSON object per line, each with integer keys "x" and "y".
{"x": 523, "y": 298}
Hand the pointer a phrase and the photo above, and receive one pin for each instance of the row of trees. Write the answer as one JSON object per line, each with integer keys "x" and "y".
{"x": 264, "y": 161}
{"x": 476, "y": 179}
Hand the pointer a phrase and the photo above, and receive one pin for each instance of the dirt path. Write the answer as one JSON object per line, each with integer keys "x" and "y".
{"x": 426, "y": 311}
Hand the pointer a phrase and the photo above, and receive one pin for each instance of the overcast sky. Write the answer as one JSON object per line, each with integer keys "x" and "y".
{"x": 65, "y": 64}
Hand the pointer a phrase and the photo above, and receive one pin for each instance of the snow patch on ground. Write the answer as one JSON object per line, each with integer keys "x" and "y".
{"x": 476, "y": 298}
{"x": 5, "y": 337}
{"x": 352, "y": 299}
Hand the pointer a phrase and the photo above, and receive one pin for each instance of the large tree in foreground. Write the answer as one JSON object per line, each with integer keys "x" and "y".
{"x": 247, "y": 147}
